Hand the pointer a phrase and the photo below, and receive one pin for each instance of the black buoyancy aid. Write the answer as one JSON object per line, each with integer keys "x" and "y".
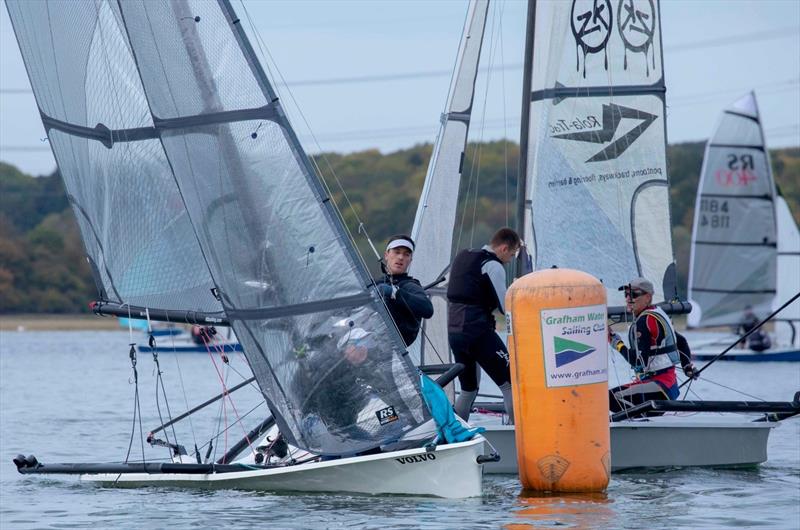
{"x": 468, "y": 285}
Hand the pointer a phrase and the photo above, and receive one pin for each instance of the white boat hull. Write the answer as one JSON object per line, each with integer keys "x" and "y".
{"x": 451, "y": 471}
{"x": 663, "y": 442}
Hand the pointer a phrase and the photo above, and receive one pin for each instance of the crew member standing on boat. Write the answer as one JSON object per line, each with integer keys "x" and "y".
{"x": 477, "y": 287}
{"x": 653, "y": 351}
{"x": 406, "y": 300}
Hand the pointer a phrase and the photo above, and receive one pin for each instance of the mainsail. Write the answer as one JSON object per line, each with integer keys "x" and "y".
{"x": 436, "y": 211}
{"x": 138, "y": 238}
{"x": 593, "y": 146}
{"x": 734, "y": 237}
{"x": 164, "y": 125}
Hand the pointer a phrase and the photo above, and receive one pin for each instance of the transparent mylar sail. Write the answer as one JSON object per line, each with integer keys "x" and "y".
{"x": 160, "y": 116}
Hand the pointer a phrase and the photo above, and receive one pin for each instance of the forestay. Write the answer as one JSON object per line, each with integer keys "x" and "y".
{"x": 166, "y": 119}
{"x": 596, "y": 184}
{"x": 734, "y": 237}
{"x": 436, "y": 211}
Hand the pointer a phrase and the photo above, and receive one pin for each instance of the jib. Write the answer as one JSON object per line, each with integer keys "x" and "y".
{"x": 416, "y": 458}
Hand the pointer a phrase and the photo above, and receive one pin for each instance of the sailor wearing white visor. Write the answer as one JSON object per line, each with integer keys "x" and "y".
{"x": 406, "y": 300}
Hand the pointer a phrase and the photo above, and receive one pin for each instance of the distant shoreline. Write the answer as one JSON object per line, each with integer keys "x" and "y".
{"x": 60, "y": 322}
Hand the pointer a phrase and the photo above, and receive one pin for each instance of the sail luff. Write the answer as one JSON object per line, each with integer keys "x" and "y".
{"x": 523, "y": 216}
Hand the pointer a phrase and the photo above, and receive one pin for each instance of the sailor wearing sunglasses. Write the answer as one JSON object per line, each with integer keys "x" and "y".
{"x": 653, "y": 351}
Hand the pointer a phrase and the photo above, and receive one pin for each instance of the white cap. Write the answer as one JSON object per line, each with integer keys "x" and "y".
{"x": 394, "y": 243}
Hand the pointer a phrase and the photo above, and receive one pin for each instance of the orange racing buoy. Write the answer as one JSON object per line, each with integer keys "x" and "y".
{"x": 558, "y": 348}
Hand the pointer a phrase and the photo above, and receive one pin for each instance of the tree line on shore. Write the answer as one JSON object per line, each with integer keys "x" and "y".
{"x": 43, "y": 270}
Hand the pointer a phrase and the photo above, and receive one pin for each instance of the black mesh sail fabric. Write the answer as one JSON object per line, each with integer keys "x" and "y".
{"x": 320, "y": 342}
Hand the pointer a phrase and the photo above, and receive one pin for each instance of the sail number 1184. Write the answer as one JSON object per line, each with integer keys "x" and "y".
{"x": 714, "y": 213}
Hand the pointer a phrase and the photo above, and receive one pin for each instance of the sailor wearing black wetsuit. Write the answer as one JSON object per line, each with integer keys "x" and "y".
{"x": 477, "y": 287}
{"x": 406, "y": 300}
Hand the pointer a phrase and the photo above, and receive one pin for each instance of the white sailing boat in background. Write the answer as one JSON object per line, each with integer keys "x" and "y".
{"x": 745, "y": 243}
{"x": 197, "y": 204}
{"x": 593, "y": 196}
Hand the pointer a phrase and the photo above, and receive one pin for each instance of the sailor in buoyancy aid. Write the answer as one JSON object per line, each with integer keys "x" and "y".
{"x": 477, "y": 287}
{"x": 653, "y": 351}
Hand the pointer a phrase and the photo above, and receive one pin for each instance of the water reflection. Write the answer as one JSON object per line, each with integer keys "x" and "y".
{"x": 573, "y": 510}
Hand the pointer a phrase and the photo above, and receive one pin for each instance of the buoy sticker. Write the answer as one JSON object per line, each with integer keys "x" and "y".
{"x": 574, "y": 345}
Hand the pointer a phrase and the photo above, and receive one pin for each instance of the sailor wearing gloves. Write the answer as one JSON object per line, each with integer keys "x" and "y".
{"x": 406, "y": 300}
{"x": 654, "y": 350}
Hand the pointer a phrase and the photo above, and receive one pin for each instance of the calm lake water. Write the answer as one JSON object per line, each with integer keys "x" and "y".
{"x": 69, "y": 397}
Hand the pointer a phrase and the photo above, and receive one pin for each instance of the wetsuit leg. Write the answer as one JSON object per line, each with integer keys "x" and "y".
{"x": 492, "y": 355}
{"x": 469, "y": 377}
{"x": 462, "y": 353}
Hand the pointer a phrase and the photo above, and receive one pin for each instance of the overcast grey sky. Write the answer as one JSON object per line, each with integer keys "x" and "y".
{"x": 376, "y": 74}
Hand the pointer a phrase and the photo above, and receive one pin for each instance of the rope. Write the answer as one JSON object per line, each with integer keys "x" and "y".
{"x": 753, "y": 330}
{"x": 137, "y": 411}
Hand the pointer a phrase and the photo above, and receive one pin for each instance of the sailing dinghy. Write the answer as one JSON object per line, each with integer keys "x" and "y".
{"x": 197, "y": 204}
{"x": 745, "y": 243}
{"x": 593, "y": 196}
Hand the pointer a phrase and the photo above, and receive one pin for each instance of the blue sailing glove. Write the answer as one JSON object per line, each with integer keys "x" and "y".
{"x": 386, "y": 290}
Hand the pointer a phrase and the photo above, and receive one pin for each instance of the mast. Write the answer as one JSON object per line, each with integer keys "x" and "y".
{"x": 436, "y": 212}
{"x": 522, "y": 175}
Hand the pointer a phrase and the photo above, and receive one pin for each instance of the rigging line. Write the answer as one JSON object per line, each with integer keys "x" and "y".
{"x": 478, "y": 151}
{"x": 733, "y": 389}
{"x": 223, "y": 381}
{"x": 220, "y": 432}
{"x": 159, "y": 381}
{"x": 132, "y": 355}
{"x": 776, "y": 33}
{"x": 706, "y": 98}
{"x": 689, "y": 46}
{"x": 505, "y": 116}
{"x": 137, "y": 405}
{"x": 183, "y": 387}
{"x": 264, "y": 49}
